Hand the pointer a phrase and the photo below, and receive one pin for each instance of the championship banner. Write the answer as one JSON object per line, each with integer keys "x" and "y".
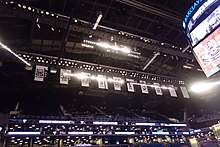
{"x": 64, "y": 79}
{"x": 143, "y": 87}
{"x": 117, "y": 83}
{"x": 184, "y": 92}
{"x": 172, "y": 91}
{"x": 130, "y": 85}
{"x": 158, "y": 89}
{"x": 40, "y": 73}
{"x": 85, "y": 81}
{"x": 102, "y": 82}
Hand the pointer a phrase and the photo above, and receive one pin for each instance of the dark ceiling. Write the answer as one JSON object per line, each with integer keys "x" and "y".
{"x": 146, "y": 26}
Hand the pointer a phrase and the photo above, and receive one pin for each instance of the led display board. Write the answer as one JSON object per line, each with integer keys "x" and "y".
{"x": 205, "y": 27}
{"x": 202, "y": 27}
{"x": 207, "y": 53}
{"x": 194, "y": 13}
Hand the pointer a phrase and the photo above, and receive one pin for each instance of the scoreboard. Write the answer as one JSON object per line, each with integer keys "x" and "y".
{"x": 201, "y": 26}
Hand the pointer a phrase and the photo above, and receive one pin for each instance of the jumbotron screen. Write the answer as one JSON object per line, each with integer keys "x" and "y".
{"x": 202, "y": 27}
{"x": 207, "y": 53}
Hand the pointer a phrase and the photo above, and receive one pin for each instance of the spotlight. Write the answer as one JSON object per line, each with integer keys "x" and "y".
{"x": 53, "y": 70}
{"x": 28, "y": 68}
{"x": 202, "y": 87}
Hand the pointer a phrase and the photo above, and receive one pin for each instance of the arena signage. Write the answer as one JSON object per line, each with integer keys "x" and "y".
{"x": 206, "y": 5}
{"x": 190, "y": 11}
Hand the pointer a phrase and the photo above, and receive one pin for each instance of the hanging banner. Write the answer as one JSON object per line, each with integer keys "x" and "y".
{"x": 184, "y": 92}
{"x": 144, "y": 88}
{"x": 130, "y": 85}
{"x": 102, "y": 82}
{"x": 64, "y": 79}
{"x": 117, "y": 83}
{"x": 85, "y": 81}
{"x": 40, "y": 73}
{"x": 172, "y": 91}
{"x": 158, "y": 89}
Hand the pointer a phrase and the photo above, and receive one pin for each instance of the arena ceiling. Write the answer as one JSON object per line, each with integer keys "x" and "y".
{"x": 145, "y": 26}
{"x": 58, "y": 28}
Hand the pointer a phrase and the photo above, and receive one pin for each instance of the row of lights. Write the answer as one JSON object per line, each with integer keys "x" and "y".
{"x": 51, "y": 140}
{"x": 30, "y": 8}
{"x": 147, "y": 40}
{"x": 114, "y": 48}
{"x": 55, "y": 128}
{"x": 83, "y": 141}
{"x": 87, "y": 66}
{"x": 107, "y": 46}
{"x": 36, "y": 10}
{"x": 134, "y": 55}
{"x": 191, "y": 67}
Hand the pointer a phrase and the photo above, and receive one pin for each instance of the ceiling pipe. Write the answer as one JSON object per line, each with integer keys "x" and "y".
{"x": 186, "y": 48}
{"x": 98, "y": 20}
{"x": 151, "y": 60}
{"x": 152, "y": 10}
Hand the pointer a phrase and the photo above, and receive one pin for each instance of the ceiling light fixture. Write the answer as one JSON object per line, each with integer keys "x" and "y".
{"x": 13, "y": 53}
{"x": 98, "y": 20}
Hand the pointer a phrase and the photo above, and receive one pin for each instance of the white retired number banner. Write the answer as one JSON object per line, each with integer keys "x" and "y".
{"x": 172, "y": 91}
{"x": 117, "y": 83}
{"x": 64, "y": 79}
{"x": 158, "y": 89}
{"x": 184, "y": 92}
{"x": 85, "y": 81}
{"x": 144, "y": 87}
{"x": 130, "y": 85}
{"x": 102, "y": 82}
{"x": 40, "y": 73}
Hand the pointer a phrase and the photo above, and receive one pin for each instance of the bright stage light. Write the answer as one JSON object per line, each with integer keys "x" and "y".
{"x": 125, "y": 50}
{"x": 113, "y": 47}
{"x": 103, "y": 44}
{"x": 202, "y": 87}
